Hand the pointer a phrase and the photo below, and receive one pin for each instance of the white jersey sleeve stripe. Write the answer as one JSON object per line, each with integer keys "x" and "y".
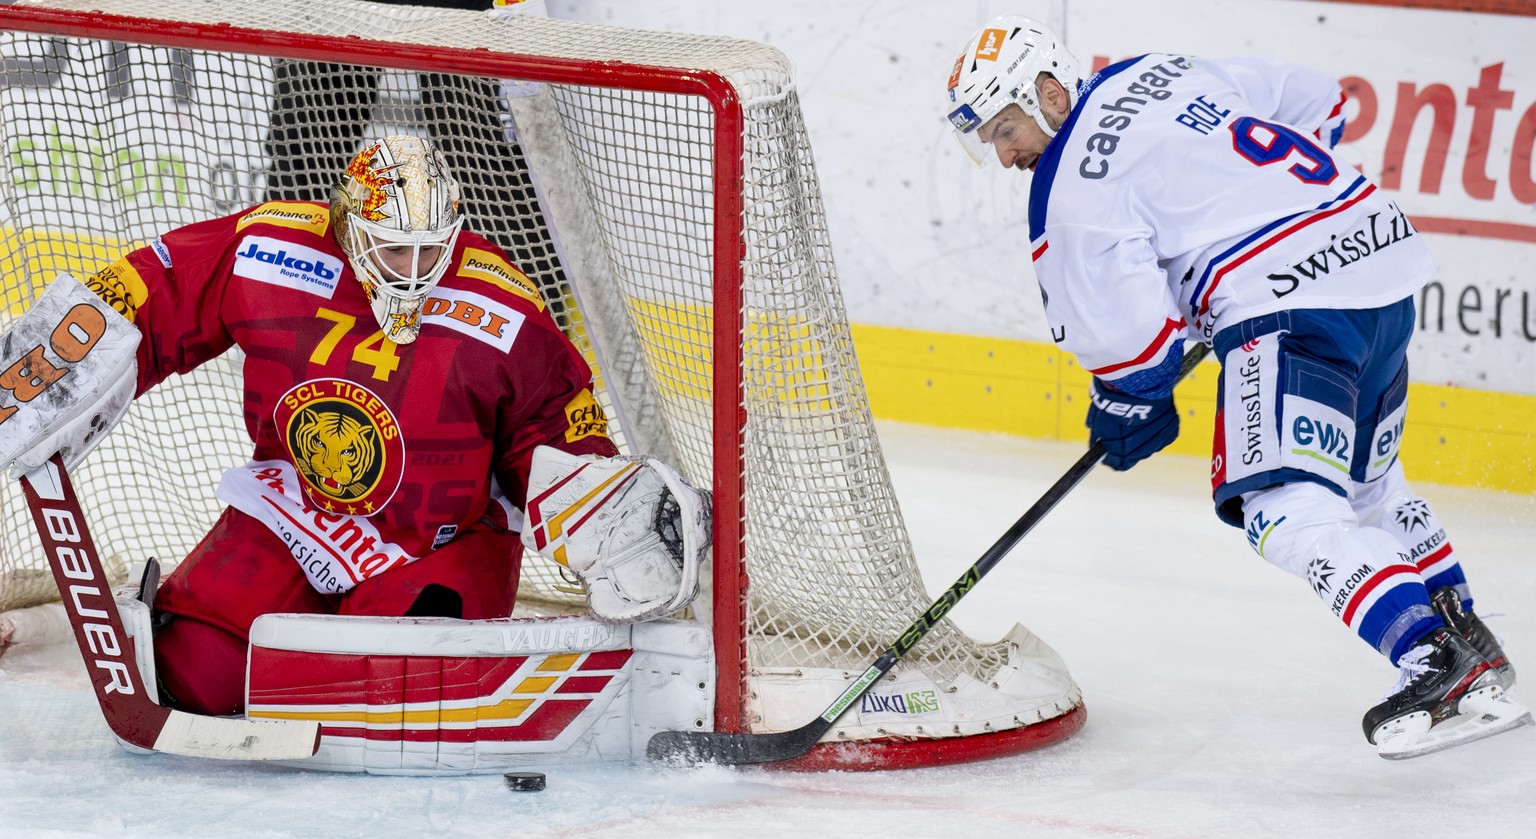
{"x": 1338, "y": 107}
{"x": 1331, "y": 130}
{"x": 1150, "y": 357}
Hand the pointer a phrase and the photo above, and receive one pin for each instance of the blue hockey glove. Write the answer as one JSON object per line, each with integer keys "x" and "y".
{"x": 1130, "y": 428}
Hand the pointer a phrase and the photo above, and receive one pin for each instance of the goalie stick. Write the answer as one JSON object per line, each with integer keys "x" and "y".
{"x": 740, "y": 748}
{"x": 130, "y": 712}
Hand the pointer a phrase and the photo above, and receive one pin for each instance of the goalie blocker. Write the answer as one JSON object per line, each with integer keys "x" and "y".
{"x": 68, "y": 371}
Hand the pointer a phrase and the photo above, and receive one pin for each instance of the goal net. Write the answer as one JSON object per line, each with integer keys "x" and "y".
{"x": 660, "y": 189}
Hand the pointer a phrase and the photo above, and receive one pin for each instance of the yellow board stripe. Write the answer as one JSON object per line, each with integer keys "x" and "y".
{"x": 1456, "y": 436}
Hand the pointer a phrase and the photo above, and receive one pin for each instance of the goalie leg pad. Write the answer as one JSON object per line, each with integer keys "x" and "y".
{"x": 419, "y": 696}
{"x": 631, "y": 528}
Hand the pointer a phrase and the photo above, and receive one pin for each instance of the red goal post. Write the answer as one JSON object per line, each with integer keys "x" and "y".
{"x": 812, "y": 572}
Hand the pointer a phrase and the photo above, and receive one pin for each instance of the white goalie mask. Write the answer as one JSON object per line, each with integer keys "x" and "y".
{"x": 998, "y": 67}
{"x": 395, "y": 213}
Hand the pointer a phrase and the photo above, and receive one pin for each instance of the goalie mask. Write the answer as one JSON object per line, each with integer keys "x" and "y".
{"x": 395, "y": 213}
{"x": 998, "y": 67}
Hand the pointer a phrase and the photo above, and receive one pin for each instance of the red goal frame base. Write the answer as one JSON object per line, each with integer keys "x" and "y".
{"x": 916, "y": 753}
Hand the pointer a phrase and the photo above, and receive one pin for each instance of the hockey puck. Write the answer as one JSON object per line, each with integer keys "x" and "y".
{"x": 525, "y": 781}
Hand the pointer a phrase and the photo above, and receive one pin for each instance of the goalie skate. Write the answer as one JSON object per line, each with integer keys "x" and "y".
{"x": 1447, "y": 695}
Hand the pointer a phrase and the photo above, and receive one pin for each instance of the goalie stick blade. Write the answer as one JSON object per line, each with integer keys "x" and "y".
{"x": 234, "y": 738}
{"x": 694, "y": 748}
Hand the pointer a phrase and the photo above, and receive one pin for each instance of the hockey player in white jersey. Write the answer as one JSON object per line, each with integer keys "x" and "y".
{"x": 1183, "y": 198}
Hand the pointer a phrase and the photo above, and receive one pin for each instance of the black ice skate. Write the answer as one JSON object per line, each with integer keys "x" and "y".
{"x": 1469, "y": 626}
{"x": 1447, "y": 694}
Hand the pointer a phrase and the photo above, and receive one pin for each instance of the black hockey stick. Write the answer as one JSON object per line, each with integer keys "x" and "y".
{"x": 130, "y": 712}
{"x": 738, "y": 748}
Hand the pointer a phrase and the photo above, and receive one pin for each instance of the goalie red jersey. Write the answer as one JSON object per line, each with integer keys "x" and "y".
{"x": 359, "y": 433}
{"x": 369, "y": 455}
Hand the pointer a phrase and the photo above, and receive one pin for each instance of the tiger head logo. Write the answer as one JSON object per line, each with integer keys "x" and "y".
{"x": 336, "y": 452}
{"x": 345, "y": 443}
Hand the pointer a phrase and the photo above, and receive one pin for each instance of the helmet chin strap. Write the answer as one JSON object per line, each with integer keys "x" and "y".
{"x": 1039, "y": 113}
{"x": 1044, "y": 126}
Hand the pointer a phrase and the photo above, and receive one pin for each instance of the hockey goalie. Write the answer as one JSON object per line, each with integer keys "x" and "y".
{"x": 407, "y": 399}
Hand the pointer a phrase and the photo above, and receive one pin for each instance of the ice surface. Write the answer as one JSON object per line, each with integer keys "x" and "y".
{"x": 1223, "y": 701}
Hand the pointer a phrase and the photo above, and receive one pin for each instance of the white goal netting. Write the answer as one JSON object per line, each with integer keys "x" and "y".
{"x": 607, "y": 191}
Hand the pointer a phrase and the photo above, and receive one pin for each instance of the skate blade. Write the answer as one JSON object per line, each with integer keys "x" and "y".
{"x": 1481, "y": 713}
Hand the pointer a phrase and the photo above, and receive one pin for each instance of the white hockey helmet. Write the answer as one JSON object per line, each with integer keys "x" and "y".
{"x": 395, "y": 212}
{"x": 998, "y": 67}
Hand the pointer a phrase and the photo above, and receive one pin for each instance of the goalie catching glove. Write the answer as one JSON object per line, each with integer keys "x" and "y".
{"x": 630, "y": 528}
{"x": 68, "y": 371}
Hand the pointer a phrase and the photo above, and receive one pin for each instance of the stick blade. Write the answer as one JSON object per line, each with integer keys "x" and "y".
{"x": 236, "y": 738}
{"x": 694, "y": 748}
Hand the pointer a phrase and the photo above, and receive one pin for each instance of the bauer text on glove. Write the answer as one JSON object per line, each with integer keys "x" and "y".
{"x": 1130, "y": 428}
